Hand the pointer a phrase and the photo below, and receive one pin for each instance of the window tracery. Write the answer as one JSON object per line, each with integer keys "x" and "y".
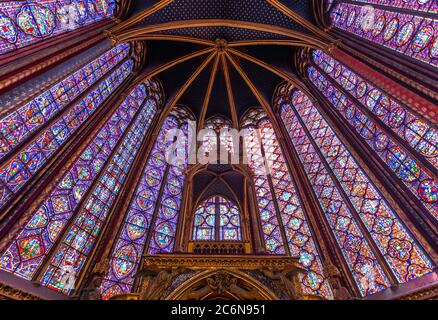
{"x": 284, "y": 224}
{"x": 336, "y": 176}
{"x": 53, "y": 109}
{"x": 217, "y": 218}
{"x": 416, "y": 132}
{"x": 150, "y": 222}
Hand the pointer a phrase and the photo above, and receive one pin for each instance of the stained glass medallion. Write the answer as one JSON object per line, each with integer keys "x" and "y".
{"x": 52, "y": 106}
{"x": 103, "y": 165}
{"x": 412, "y": 35}
{"x": 30, "y": 21}
{"x": 150, "y": 222}
{"x": 421, "y": 136}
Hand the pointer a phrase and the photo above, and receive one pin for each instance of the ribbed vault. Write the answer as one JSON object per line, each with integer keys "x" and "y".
{"x": 221, "y": 57}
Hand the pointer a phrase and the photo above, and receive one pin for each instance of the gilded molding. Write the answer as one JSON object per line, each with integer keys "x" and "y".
{"x": 426, "y": 294}
{"x": 10, "y": 293}
{"x": 196, "y": 262}
{"x": 211, "y": 282}
{"x": 142, "y": 15}
{"x": 219, "y": 247}
{"x": 300, "y": 20}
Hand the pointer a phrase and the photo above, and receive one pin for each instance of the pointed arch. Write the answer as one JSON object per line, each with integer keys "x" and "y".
{"x": 183, "y": 291}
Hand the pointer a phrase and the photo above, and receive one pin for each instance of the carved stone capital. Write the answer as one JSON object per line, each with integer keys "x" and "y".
{"x": 111, "y": 36}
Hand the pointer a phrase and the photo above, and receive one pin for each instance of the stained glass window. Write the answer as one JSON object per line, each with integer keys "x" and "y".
{"x": 221, "y": 126}
{"x": 334, "y": 174}
{"x": 103, "y": 165}
{"x": 217, "y": 218}
{"x": 412, "y": 35}
{"x": 282, "y": 217}
{"x": 61, "y": 118}
{"x": 217, "y": 142}
{"x": 31, "y": 21}
{"x": 420, "y": 5}
{"x": 421, "y": 136}
{"x": 150, "y": 222}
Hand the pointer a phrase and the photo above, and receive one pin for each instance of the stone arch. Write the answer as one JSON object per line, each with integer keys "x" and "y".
{"x": 222, "y": 284}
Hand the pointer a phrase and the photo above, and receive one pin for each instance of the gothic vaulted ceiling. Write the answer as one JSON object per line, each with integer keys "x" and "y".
{"x": 220, "y": 57}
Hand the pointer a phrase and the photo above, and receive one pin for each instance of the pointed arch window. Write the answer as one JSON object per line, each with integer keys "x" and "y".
{"x": 361, "y": 220}
{"x": 72, "y": 215}
{"x": 217, "y": 218}
{"x": 420, "y": 5}
{"x": 27, "y": 22}
{"x": 149, "y": 226}
{"x": 412, "y": 34}
{"x": 218, "y": 137}
{"x": 365, "y": 107}
{"x": 284, "y": 224}
{"x": 54, "y": 116}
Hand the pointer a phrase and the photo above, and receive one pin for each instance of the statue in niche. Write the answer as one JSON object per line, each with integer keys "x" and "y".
{"x": 155, "y": 281}
{"x": 282, "y": 278}
{"x": 92, "y": 291}
{"x": 334, "y": 278}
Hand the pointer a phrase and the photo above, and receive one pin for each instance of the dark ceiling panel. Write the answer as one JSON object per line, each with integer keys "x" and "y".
{"x": 265, "y": 81}
{"x": 219, "y": 99}
{"x": 140, "y": 5}
{"x": 160, "y": 52}
{"x": 219, "y": 168}
{"x": 218, "y": 187}
{"x": 195, "y": 94}
{"x": 227, "y": 33}
{"x": 236, "y": 181}
{"x": 174, "y": 78}
{"x": 243, "y": 96}
{"x": 200, "y": 182}
{"x": 278, "y": 56}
